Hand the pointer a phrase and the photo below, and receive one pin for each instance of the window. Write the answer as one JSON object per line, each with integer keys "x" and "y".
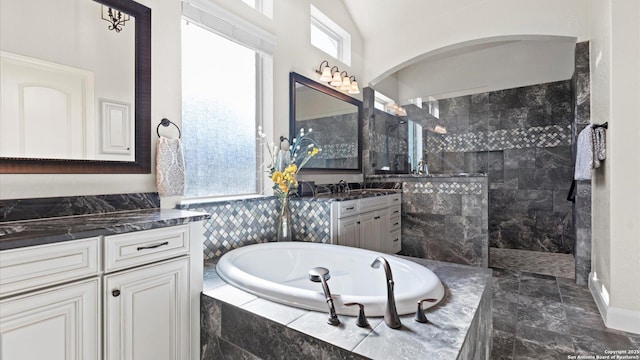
{"x": 329, "y": 37}
{"x": 415, "y": 144}
{"x": 219, "y": 117}
{"x": 263, "y": 6}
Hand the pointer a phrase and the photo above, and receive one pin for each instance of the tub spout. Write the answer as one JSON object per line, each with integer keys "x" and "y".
{"x": 321, "y": 275}
{"x": 391, "y": 317}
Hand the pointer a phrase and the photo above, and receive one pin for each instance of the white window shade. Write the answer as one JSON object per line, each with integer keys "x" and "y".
{"x": 231, "y": 26}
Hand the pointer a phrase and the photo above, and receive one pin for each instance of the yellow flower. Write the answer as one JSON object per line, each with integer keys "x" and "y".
{"x": 284, "y": 187}
{"x": 277, "y": 177}
{"x": 291, "y": 169}
{"x": 314, "y": 151}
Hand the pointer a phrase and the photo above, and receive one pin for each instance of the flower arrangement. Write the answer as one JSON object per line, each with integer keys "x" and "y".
{"x": 285, "y": 164}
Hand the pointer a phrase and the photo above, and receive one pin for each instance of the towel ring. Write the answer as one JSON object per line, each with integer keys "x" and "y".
{"x": 166, "y": 122}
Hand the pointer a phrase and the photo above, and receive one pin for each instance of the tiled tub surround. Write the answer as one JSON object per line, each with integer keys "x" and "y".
{"x": 444, "y": 217}
{"x": 236, "y": 324}
{"x": 67, "y": 218}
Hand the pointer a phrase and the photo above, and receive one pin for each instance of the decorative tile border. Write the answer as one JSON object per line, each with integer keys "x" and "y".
{"x": 537, "y": 136}
{"x": 244, "y": 222}
{"x": 454, "y": 188}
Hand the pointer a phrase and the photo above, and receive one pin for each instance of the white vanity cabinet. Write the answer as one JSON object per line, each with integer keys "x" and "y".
{"x": 128, "y": 296}
{"x": 49, "y": 301}
{"x": 371, "y": 223}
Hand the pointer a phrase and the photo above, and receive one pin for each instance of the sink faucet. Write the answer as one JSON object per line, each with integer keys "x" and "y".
{"x": 391, "y": 317}
{"x": 321, "y": 275}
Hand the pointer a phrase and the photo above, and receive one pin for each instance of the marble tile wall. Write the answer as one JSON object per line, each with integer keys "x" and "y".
{"x": 582, "y": 205}
{"x": 244, "y": 222}
{"x": 522, "y": 139}
{"x": 446, "y": 219}
{"x": 338, "y": 149}
{"x": 39, "y": 208}
{"x": 387, "y": 130}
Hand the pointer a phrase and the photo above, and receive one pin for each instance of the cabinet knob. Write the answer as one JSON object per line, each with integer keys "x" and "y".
{"x": 115, "y": 292}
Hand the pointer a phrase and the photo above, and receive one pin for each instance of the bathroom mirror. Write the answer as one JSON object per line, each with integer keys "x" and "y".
{"x": 335, "y": 120}
{"x": 115, "y": 90}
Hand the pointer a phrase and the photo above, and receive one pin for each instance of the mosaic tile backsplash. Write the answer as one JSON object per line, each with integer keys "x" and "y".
{"x": 244, "y": 222}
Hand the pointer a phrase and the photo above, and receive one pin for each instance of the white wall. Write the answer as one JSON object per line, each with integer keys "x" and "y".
{"x": 428, "y": 26}
{"x": 503, "y": 65}
{"x": 165, "y": 102}
{"x": 293, "y": 52}
{"x": 615, "y": 81}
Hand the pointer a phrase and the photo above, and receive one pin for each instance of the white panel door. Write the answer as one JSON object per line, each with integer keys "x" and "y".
{"x": 47, "y": 109}
{"x": 61, "y": 323}
{"x": 147, "y": 312}
{"x": 349, "y": 231}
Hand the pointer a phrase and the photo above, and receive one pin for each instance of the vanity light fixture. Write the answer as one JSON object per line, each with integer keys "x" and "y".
{"x": 115, "y": 18}
{"x": 340, "y": 80}
{"x": 346, "y": 83}
{"x": 325, "y": 71}
{"x": 337, "y": 78}
{"x": 396, "y": 109}
{"x": 354, "y": 86}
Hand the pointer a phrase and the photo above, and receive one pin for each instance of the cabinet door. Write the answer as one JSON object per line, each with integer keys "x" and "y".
{"x": 147, "y": 312}
{"x": 348, "y": 231}
{"x": 369, "y": 231}
{"x": 61, "y": 323}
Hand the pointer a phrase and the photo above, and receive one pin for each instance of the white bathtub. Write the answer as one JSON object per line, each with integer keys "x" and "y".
{"x": 279, "y": 272}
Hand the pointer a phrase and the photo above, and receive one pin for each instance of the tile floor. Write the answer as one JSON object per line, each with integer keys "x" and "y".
{"x": 542, "y": 316}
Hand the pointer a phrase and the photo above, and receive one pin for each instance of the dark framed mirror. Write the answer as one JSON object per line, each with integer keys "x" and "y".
{"x": 336, "y": 121}
{"x": 141, "y": 115}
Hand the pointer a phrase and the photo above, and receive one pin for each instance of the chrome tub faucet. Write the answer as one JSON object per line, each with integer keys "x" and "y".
{"x": 321, "y": 275}
{"x": 391, "y": 317}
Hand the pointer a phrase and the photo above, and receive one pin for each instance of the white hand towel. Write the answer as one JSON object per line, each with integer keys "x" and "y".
{"x": 584, "y": 155}
{"x": 601, "y": 143}
{"x": 169, "y": 167}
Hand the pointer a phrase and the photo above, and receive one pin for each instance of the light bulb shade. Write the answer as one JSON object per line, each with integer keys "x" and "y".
{"x": 337, "y": 80}
{"x": 354, "y": 88}
{"x": 346, "y": 84}
{"x": 326, "y": 74}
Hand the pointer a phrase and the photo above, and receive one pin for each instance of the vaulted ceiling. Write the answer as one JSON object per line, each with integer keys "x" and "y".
{"x": 484, "y": 64}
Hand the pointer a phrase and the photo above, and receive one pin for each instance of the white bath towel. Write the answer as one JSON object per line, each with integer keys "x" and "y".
{"x": 584, "y": 155}
{"x": 169, "y": 167}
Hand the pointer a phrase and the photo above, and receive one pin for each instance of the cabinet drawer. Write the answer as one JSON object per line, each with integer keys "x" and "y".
{"x": 395, "y": 223}
{"x": 347, "y": 208}
{"x": 141, "y": 247}
{"x": 394, "y": 200}
{"x": 32, "y": 267}
{"x": 394, "y": 211}
{"x": 373, "y": 203}
{"x": 395, "y": 241}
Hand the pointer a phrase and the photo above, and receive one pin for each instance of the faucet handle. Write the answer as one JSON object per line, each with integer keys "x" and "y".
{"x": 362, "y": 319}
{"x": 420, "y": 317}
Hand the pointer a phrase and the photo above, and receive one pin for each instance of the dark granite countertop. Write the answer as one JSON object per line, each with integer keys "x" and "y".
{"x": 392, "y": 176}
{"x": 350, "y": 195}
{"x": 23, "y": 233}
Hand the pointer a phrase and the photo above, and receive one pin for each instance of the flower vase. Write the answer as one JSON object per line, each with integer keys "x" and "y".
{"x": 284, "y": 221}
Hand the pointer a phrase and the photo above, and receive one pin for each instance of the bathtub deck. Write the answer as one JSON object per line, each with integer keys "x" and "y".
{"x": 236, "y": 324}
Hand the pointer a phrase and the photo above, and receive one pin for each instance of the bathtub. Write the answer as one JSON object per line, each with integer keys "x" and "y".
{"x": 279, "y": 272}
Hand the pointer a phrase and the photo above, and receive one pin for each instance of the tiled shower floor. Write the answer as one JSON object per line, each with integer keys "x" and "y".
{"x": 560, "y": 265}
{"x": 540, "y": 313}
